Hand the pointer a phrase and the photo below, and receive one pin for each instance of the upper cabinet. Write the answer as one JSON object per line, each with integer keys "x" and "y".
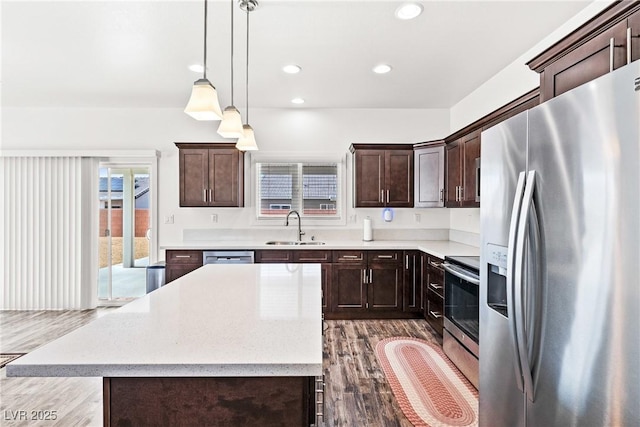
{"x": 463, "y": 171}
{"x": 608, "y": 41}
{"x": 211, "y": 175}
{"x": 383, "y": 175}
{"x": 429, "y": 175}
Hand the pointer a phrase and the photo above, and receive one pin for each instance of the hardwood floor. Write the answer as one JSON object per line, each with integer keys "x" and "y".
{"x": 357, "y": 393}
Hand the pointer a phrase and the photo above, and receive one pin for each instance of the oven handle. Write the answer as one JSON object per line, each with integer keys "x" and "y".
{"x": 460, "y": 274}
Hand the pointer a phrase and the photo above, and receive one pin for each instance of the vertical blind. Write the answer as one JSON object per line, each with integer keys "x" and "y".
{"x": 45, "y": 232}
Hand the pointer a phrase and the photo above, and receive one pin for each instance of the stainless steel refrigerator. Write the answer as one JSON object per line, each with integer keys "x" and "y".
{"x": 560, "y": 264}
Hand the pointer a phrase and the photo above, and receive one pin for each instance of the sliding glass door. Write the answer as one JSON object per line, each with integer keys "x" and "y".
{"x": 124, "y": 231}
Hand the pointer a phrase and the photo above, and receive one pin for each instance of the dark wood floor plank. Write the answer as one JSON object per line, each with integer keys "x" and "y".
{"x": 357, "y": 393}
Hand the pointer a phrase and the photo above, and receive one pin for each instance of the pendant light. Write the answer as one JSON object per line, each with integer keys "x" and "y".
{"x": 231, "y": 124}
{"x": 248, "y": 141}
{"x": 203, "y": 103}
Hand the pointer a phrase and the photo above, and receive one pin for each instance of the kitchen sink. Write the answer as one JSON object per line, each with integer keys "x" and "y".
{"x": 293, "y": 242}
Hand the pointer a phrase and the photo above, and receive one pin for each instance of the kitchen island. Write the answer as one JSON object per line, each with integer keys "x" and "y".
{"x": 223, "y": 345}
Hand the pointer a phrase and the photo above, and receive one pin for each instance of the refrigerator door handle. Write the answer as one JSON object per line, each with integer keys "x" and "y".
{"x": 511, "y": 249}
{"x": 523, "y": 224}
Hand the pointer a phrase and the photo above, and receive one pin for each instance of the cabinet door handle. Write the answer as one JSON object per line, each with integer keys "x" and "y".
{"x": 364, "y": 275}
{"x": 461, "y": 193}
{"x": 370, "y": 276}
{"x": 381, "y": 196}
{"x": 435, "y": 314}
{"x": 387, "y": 257}
{"x": 183, "y": 256}
{"x": 442, "y": 194}
{"x": 387, "y": 196}
{"x": 435, "y": 286}
{"x": 351, "y": 256}
{"x": 612, "y": 47}
{"x": 406, "y": 262}
{"x": 629, "y": 45}
{"x": 210, "y": 195}
{"x": 204, "y": 195}
{"x": 435, "y": 264}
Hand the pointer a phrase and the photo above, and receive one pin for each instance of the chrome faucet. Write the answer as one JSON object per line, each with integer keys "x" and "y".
{"x": 300, "y": 232}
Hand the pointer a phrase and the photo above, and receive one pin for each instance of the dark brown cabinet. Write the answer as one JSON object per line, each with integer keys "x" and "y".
{"x": 429, "y": 166}
{"x": 211, "y": 175}
{"x": 462, "y": 158}
{"x": 322, "y": 257}
{"x": 413, "y": 295}
{"x": 383, "y": 175}
{"x": 180, "y": 262}
{"x": 433, "y": 292}
{"x": 273, "y": 256}
{"x": 608, "y": 41}
{"x": 367, "y": 284}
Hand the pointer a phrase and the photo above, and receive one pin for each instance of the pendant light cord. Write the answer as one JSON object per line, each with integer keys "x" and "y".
{"x": 232, "y": 52}
{"x": 247, "y": 75}
{"x": 204, "y": 66}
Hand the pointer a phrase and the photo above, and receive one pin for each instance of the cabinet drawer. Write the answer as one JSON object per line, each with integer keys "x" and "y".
{"x": 434, "y": 311}
{"x": 384, "y": 256}
{"x": 311, "y": 255}
{"x": 183, "y": 257}
{"x": 274, "y": 256}
{"x": 434, "y": 264}
{"x": 354, "y": 257}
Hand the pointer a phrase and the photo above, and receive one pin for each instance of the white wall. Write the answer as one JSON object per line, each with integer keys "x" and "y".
{"x": 510, "y": 83}
{"x": 288, "y": 130}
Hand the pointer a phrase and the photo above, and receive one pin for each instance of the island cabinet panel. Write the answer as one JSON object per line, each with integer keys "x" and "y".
{"x": 433, "y": 292}
{"x": 180, "y": 262}
{"x": 383, "y": 175}
{"x": 211, "y": 175}
{"x": 210, "y": 401}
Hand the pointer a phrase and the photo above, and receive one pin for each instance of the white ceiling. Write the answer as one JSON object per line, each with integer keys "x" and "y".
{"x": 135, "y": 53}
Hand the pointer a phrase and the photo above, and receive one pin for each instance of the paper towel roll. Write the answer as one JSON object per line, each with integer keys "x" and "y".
{"x": 368, "y": 231}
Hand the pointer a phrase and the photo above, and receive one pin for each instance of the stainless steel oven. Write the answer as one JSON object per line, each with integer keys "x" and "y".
{"x": 462, "y": 314}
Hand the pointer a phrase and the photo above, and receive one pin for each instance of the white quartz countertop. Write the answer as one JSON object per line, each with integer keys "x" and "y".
{"x": 219, "y": 320}
{"x": 438, "y": 248}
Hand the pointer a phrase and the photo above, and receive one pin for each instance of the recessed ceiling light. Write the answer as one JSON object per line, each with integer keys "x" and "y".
{"x": 291, "y": 69}
{"x": 196, "y": 68}
{"x": 297, "y": 101}
{"x": 382, "y": 69}
{"x": 408, "y": 11}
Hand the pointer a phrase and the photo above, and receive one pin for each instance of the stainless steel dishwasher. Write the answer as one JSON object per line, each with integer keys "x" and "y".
{"x": 227, "y": 257}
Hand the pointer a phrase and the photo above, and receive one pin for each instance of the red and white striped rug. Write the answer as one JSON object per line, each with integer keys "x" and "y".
{"x": 427, "y": 385}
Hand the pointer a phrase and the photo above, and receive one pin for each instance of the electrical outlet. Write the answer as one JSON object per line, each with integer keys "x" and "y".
{"x": 417, "y": 217}
{"x": 168, "y": 219}
{"x": 214, "y": 218}
{"x": 353, "y": 218}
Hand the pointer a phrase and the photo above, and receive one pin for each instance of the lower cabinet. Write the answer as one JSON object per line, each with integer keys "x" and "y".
{"x": 433, "y": 292}
{"x": 366, "y": 284}
{"x": 413, "y": 303}
{"x": 180, "y": 262}
{"x": 322, "y": 257}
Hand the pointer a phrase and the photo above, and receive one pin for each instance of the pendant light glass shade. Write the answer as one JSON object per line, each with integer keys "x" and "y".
{"x": 248, "y": 141}
{"x": 203, "y": 104}
{"x": 231, "y": 124}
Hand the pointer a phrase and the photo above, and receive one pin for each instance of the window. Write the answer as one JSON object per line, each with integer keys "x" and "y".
{"x": 310, "y": 188}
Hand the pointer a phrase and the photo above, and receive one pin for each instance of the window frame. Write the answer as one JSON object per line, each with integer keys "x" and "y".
{"x": 306, "y": 159}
